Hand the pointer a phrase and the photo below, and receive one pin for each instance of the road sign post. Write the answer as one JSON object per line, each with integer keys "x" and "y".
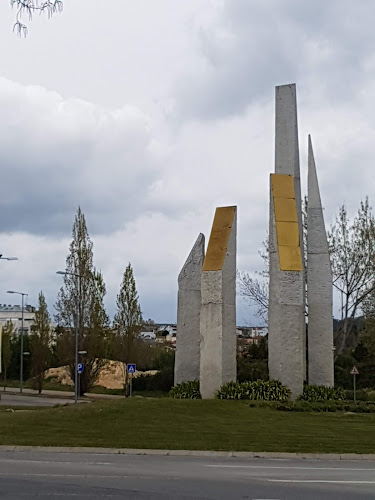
{"x": 131, "y": 369}
{"x": 80, "y": 368}
{"x": 354, "y": 371}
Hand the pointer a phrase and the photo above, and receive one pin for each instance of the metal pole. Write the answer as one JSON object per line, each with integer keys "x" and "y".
{"x": 21, "y": 363}
{"x": 76, "y": 350}
{"x": 131, "y": 386}
{"x": 354, "y": 394}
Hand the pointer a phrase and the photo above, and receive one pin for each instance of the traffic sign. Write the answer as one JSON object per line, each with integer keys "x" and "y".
{"x": 80, "y": 368}
{"x": 354, "y": 371}
{"x": 130, "y": 368}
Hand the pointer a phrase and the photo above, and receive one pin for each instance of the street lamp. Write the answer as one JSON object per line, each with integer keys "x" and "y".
{"x": 7, "y": 258}
{"x": 21, "y": 354}
{"x": 67, "y": 273}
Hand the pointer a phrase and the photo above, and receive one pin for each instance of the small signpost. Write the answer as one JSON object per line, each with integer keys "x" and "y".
{"x": 354, "y": 371}
{"x": 131, "y": 369}
{"x": 80, "y": 369}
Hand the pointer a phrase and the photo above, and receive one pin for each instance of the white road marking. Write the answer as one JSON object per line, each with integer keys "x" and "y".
{"x": 317, "y": 481}
{"x": 6, "y": 460}
{"x": 287, "y": 467}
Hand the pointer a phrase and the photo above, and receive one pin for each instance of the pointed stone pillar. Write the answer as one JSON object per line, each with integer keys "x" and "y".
{"x": 286, "y": 320}
{"x": 319, "y": 286}
{"x": 187, "y": 360}
{"x": 218, "y": 312}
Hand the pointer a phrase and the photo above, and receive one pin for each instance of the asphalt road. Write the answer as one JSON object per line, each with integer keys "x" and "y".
{"x": 26, "y": 400}
{"x": 29, "y": 475}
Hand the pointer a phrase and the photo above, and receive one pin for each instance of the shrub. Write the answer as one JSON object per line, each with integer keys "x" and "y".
{"x": 361, "y": 395}
{"x": 186, "y": 390}
{"x": 321, "y": 393}
{"x": 249, "y": 370}
{"x": 161, "y": 381}
{"x": 326, "y": 406}
{"x": 270, "y": 390}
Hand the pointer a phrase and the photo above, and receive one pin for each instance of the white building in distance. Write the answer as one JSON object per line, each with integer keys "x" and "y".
{"x": 14, "y": 314}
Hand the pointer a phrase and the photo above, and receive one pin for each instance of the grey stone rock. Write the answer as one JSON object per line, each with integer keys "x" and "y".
{"x": 286, "y": 320}
{"x": 187, "y": 360}
{"x": 319, "y": 286}
{"x": 218, "y": 322}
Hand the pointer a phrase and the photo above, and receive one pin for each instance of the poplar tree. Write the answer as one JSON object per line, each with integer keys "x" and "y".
{"x": 40, "y": 343}
{"x": 80, "y": 302}
{"x": 127, "y": 321}
{"x": 6, "y": 348}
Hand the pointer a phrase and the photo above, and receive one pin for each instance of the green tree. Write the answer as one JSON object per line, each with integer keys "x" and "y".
{"x": 80, "y": 304}
{"x": 6, "y": 348}
{"x": 29, "y": 7}
{"x": 95, "y": 340}
{"x": 40, "y": 343}
{"x": 352, "y": 249}
{"x": 127, "y": 321}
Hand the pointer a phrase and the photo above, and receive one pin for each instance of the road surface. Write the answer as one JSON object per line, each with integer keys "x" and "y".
{"x": 25, "y": 400}
{"x": 29, "y": 475}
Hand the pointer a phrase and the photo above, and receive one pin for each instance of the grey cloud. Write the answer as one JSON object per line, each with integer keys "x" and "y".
{"x": 56, "y": 154}
{"x": 254, "y": 46}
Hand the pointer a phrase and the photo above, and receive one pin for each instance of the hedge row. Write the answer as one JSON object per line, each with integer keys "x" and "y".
{"x": 326, "y": 406}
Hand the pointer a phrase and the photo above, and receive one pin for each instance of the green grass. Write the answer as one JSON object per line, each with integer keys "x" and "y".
{"x": 189, "y": 424}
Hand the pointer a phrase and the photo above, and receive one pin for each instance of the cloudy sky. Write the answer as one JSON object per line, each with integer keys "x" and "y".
{"x": 149, "y": 114}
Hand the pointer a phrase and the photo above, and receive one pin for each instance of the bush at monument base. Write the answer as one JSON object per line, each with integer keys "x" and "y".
{"x": 186, "y": 390}
{"x": 326, "y": 406}
{"x": 161, "y": 381}
{"x": 321, "y": 393}
{"x": 260, "y": 390}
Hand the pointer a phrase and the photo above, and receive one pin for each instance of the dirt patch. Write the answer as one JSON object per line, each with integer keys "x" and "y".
{"x": 111, "y": 377}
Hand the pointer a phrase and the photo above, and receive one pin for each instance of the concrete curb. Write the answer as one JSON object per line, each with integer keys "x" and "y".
{"x": 190, "y": 453}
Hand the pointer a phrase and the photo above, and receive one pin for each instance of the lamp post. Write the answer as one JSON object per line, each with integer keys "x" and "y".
{"x": 21, "y": 355}
{"x": 66, "y": 273}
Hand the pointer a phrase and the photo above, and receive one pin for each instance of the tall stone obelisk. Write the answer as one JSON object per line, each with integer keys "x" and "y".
{"x": 286, "y": 320}
{"x": 218, "y": 312}
{"x": 319, "y": 286}
{"x": 187, "y": 359}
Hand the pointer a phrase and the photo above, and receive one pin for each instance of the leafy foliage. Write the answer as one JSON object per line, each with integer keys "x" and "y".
{"x": 186, "y": 390}
{"x": 40, "y": 340}
{"x": 352, "y": 249}
{"x": 161, "y": 381}
{"x": 270, "y": 390}
{"x": 80, "y": 304}
{"x": 6, "y": 348}
{"x": 253, "y": 364}
{"x": 321, "y": 393}
{"x": 326, "y": 406}
{"x": 127, "y": 322}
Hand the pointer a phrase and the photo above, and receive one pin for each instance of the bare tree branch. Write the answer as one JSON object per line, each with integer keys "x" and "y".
{"x": 29, "y": 7}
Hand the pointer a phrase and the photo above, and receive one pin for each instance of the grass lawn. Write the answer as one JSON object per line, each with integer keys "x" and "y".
{"x": 189, "y": 424}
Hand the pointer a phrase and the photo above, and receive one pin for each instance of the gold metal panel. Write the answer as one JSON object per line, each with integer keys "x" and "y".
{"x": 287, "y": 229}
{"x": 282, "y": 186}
{"x": 287, "y": 234}
{"x": 285, "y": 210}
{"x": 290, "y": 258}
{"x": 219, "y": 238}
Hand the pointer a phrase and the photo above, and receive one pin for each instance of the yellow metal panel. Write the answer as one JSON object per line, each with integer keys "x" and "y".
{"x": 287, "y": 234}
{"x": 287, "y": 229}
{"x": 219, "y": 238}
{"x": 285, "y": 210}
{"x": 290, "y": 258}
{"x": 282, "y": 186}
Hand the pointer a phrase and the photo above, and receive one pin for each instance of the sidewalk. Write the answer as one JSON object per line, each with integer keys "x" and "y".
{"x": 56, "y": 394}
